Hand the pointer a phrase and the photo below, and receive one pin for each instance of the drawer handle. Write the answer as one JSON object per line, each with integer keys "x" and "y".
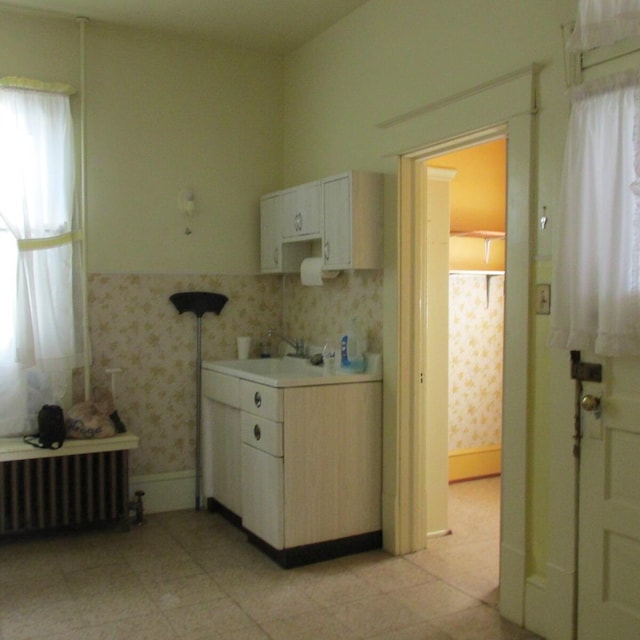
{"x": 257, "y": 399}
{"x": 256, "y": 432}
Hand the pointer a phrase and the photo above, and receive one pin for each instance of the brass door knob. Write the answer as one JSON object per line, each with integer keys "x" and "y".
{"x": 590, "y": 403}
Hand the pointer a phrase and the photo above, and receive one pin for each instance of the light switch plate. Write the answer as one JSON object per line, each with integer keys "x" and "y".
{"x": 543, "y": 299}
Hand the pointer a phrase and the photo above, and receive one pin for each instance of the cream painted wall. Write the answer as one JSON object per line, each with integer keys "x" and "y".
{"x": 388, "y": 58}
{"x": 164, "y": 112}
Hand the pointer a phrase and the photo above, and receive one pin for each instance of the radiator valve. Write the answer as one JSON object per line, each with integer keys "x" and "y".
{"x": 137, "y": 506}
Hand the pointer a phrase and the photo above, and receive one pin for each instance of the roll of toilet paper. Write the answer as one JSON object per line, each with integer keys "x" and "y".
{"x": 311, "y": 272}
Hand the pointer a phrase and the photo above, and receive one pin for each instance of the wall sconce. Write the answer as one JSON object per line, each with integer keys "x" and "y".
{"x": 187, "y": 206}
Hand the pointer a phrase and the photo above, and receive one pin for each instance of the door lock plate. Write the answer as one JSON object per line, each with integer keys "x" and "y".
{"x": 587, "y": 372}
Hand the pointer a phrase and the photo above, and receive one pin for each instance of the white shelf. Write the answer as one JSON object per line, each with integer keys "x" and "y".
{"x": 478, "y": 233}
{"x": 16, "y": 449}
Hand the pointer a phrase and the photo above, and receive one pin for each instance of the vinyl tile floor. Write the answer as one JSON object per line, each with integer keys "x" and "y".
{"x": 193, "y": 576}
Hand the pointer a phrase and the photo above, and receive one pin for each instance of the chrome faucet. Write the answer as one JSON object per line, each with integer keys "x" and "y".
{"x": 298, "y": 345}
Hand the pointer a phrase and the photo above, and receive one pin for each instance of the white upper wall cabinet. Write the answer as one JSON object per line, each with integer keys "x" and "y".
{"x": 343, "y": 211}
{"x": 352, "y": 214}
{"x": 270, "y": 235}
{"x": 301, "y": 211}
{"x": 276, "y": 257}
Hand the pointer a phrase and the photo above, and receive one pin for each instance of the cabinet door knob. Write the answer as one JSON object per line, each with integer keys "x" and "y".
{"x": 256, "y": 432}
{"x": 326, "y": 251}
{"x": 276, "y": 255}
{"x": 257, "y": 399}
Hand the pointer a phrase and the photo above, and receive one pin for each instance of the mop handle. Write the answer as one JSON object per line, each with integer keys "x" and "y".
{"x": 112, "y": 373}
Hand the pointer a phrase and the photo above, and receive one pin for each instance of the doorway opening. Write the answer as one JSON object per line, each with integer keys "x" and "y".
{"x": 476, "y": 210}
{"x": 466, "y": 191}
{"x": 423, "y": 277}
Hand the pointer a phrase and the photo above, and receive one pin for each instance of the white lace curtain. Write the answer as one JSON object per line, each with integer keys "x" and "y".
{"x": 596, "y": 299}
{"x": 603, "y": 22}
{"x": 38, "y": 341}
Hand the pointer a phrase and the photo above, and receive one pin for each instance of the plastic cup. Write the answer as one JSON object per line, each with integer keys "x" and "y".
{"x": 244, "y": 345}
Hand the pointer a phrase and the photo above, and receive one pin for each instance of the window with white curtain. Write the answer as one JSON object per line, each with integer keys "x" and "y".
{"x": 603, "y": 22}
{"x": 597, "y": 262}
{"x": 38, "y": 343}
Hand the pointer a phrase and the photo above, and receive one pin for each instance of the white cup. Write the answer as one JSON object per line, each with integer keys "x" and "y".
{"x": 374, "y": 363}
{"x": 244, "y": 344}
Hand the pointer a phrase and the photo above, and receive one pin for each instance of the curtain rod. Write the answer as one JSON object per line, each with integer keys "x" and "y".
{"x": 576, "y": 62}
{"x": 29, "y": 84}
{"x": 627, "y": 52}
{"x": 461, "y": 95}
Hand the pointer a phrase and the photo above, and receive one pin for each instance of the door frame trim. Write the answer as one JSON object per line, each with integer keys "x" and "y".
{"x": 411, "y": 314}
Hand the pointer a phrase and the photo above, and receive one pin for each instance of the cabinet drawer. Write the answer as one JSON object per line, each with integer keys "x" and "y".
{"x": 262, "y": 401}
{"x": 261, "y": 433}
{"x": 220, "y": 387}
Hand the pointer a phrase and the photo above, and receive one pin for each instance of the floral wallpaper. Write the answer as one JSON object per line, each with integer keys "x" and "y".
{"x": 135, "y": 327}
{"x": 476, "y": 321}
{"x": 319, "y": 314}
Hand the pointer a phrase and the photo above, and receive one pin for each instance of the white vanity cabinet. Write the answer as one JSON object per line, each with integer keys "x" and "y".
{"x": 311, "y": 467}
{"x": 301, "y": 451}
{"x": 352, "y": 217}
{"x": 332, "y": 462}
{"x": 301, "y": 211}
{"x": 276, "y": 257}
{"x": 262, "y": 462}
{"x": 221, "y": 440}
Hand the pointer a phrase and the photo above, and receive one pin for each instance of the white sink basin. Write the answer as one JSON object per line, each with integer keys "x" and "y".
{"x": 274, "y": 366}
{"x": 283, "y": 372}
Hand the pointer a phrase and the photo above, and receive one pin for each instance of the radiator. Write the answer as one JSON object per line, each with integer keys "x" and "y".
{"x": 63, "y": 491}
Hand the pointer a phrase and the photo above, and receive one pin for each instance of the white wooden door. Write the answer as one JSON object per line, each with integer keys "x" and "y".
{"x": 609, "y": 523}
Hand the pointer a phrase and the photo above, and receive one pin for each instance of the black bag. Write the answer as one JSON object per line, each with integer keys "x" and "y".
{"x": 51, "y": 428}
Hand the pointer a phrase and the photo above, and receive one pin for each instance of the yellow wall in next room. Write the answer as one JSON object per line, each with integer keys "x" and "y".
{"x": 478, "y": 190}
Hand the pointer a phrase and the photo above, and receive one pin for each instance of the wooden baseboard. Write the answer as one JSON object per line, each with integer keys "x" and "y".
{"x": 479, "y": 462}
{"x": 170, "y": 491}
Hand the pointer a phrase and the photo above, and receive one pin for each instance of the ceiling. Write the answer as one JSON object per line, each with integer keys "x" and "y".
{"x": 274, "y": 26}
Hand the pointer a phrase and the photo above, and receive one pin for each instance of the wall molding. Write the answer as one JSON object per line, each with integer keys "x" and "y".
{"x": 536, "y": 605}
{"x": 171, "y": 491}
{"x": 476, "y": 462}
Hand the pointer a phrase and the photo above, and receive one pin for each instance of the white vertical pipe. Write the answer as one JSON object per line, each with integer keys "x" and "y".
{"x": 86, "y": 334}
